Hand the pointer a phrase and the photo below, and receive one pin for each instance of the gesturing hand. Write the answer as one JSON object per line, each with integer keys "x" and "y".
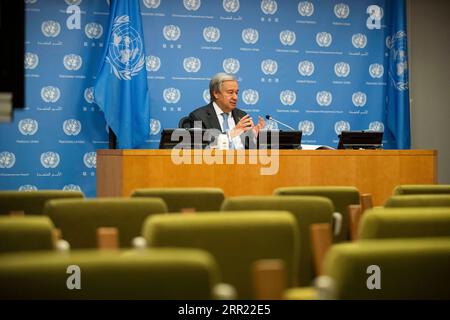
{"x": 245, "y": 124}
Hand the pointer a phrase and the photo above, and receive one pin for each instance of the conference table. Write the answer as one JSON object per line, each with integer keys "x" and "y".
{"x": 259, "y": 172}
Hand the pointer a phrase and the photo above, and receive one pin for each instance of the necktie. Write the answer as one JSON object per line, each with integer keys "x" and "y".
{"x": 226, "y": 127}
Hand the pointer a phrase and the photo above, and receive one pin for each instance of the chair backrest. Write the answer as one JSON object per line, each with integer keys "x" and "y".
{"x": 32, "y": 202}
{"x": 419, "y": 200}
{"x": 402, "y": 269}
{"x": 235, "y": 240}
{"x": 79, "y": 219}
{"x": 405, "y": 223}
{"x": 307, "y": 210}
{"x": 178, "y": 199}
{"x": 183, "y": 274}
{"x": 28, "y": 233}
{"x": 422, "y": 189}
{"x": 341, "y": 197}
{"x": 184, "y": 123}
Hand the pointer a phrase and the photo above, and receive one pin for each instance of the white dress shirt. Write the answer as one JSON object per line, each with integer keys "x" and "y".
{"x": 237, "y": 143}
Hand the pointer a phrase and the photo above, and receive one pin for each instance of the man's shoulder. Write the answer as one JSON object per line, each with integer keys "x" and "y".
{"x": 201, "y": 110}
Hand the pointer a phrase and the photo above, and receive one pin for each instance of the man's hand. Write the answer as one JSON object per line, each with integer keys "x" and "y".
{"x": 242, "y": 126}
{"x": 259, "y": 126}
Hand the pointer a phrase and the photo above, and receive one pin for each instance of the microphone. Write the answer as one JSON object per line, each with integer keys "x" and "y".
{"x": 268, "y": 117}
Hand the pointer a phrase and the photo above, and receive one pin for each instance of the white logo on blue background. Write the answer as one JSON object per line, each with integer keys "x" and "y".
{"x": 50, "y": 159}
{"x": 270, "y": 125}
{"x": 269, "y": 66}
{"x": 50, "y": 94}
{"x": 73, "y": 2}
{"x": 341, "y": 10}
{"x": 7, "y": 160}
{"x": 171, "y": 95}
{"x": 50, "y": 28}
{"x": 27, "y": 188}
{"x": 342, "y": 69}
{"x": 341, "y": 126}
{"x": 71, "y": 127}
{"x": 211, "y": 34}
{"x": 359, "y": 40}
{"x": 359, "y": 99}
{"x": 324, "y": 39}
{"x": 324, "y": 98}
{"x": 152, "y": 4}
{"x": 376, "y": 126}
{"x": 287, "y": 37}
{"x": 306, "y": 68}
{"x": 307, "y": 127}
{"x": 93, "y": 30}
{"x": 398, "y": 66}
{"x": 231, "y": 65}
{"x": 72, "y": 62}
{"x": 31, "y": 60}
{"x": 171, "y": 32}
{"x": 231, "y": 5}
{"x": 30, "y": 1}
{"x": 89, "y": 94}
{"x": 28, "y": 127}
{"x": 206, "y": 96}
{"x": 71, "y": 187}
{"x": 376, "y": 70}
{"x": 305, "y": 8}
{"x": 155, "y": 126}
{"x": 288, "y": 97}
{"x": 90, "y": 160}
{"x": 250, "y": 96}
{"x": 192, "y": 64}
{"x": 192, "y": 5}
{"x": 152, "y": 63}
{"x": 250, "y": 36}
{"x": 375, "y": 15}
{"x": 126, "y": 55}
{"x": 269, "y": 6}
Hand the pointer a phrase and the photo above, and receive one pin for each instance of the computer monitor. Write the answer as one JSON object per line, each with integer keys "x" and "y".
{"x": 194, "y": 138}
{"x": 360, "y": 140}
{"x": 286, "y": 139}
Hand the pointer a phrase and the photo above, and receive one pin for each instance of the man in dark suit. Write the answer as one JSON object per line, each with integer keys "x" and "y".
{"x": 221, "y": 113}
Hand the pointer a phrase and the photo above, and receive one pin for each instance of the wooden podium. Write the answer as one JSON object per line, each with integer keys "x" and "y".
{"x": 119, "y": 172}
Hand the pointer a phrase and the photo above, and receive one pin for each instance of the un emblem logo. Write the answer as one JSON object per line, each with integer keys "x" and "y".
{"x": 287, "y": 37}
{"x": 7, "y": 160}
{"x": 269, "y": 66}
{"x": 305, "y": 8}
{"x": 152, "y": 4}
{"x": 324, "y": 98}
{"x": 231, "y": 65}
{"x": 50, "y": 94}
{"x": 50, "y": 159}
{"x": 71, "y": 187}
{"x": 376, "y": 126}
{"x": 341, "y": 126}
{"x": 27, "y": 188}
{"x": 341, "y": 10}
{"x": 342, "y": 69}
{"x": 152, "y": 63}
{"x": 306, "y": 68}
{"x": 269, "y": 6}
{"x": 31, "y": 60}
{"x": 93, "y": 30}
{"x": 250, "y": 36}
{"x": 171, "y": 32}
{"x": 50, "y": 28}
{"x": 376, "y": 70}
{"x": 171, "y": 95}
{"x": 73, "y": 2}
{"x": 271, "y": 125}
{"x": 250, "y": 96}
{"x": 288, "y": 97}
{"x": 72, "y": 62}
{"x": 231, "y": 5}
{"x": 359, "y": 40}
{"x": 211, "y": 34}
{"x": 324, "y": 39}
{"x": 206, "y": 96}
{"x": 89, "y": 94}
{"x": 30, "y": 1}
{"x": 307, "y": 127}
{"x": 90, "y": 160}
{"x": 398, "y": 66}
{"x": 28, "y": 127}
{"x": 126, "y": 54}
{"x": 359, "y": 99}
{"x": 192, "y": 5}
{"x": 192, "y": 64}
{"x": 155, "y": 127}
{"x": 72, "y": 127}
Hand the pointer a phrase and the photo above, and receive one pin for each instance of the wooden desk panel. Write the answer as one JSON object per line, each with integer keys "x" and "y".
{"x": 371, "y": 171}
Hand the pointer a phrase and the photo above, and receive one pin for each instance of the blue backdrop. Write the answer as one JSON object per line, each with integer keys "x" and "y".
{"x": 320, "y": 66}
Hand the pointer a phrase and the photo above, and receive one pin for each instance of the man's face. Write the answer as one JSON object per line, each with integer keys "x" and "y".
{"x": 227, "y": 97}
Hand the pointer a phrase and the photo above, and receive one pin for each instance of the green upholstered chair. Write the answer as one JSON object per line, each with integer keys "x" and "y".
{"x": 28, "y": 233}
{"x": 177, "y": 199}
{"x": 419, "y": 200}
{"x": 422, "y": 189}
{"x": 307, "y": 210}
{"x": 78, "y": 219}
{"x": 235, "y": 240}
{"x": 405, "y": 223}
{"x": 341, "y": 197}
{"x": 32, "y": 202}
{"x": 181, "y": 274}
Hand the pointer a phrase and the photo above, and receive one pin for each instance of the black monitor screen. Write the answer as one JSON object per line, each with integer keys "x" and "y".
{"x": 267, "y": 139}
{"x": 360, "y": 140}
{"x": 185, "y": 138}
